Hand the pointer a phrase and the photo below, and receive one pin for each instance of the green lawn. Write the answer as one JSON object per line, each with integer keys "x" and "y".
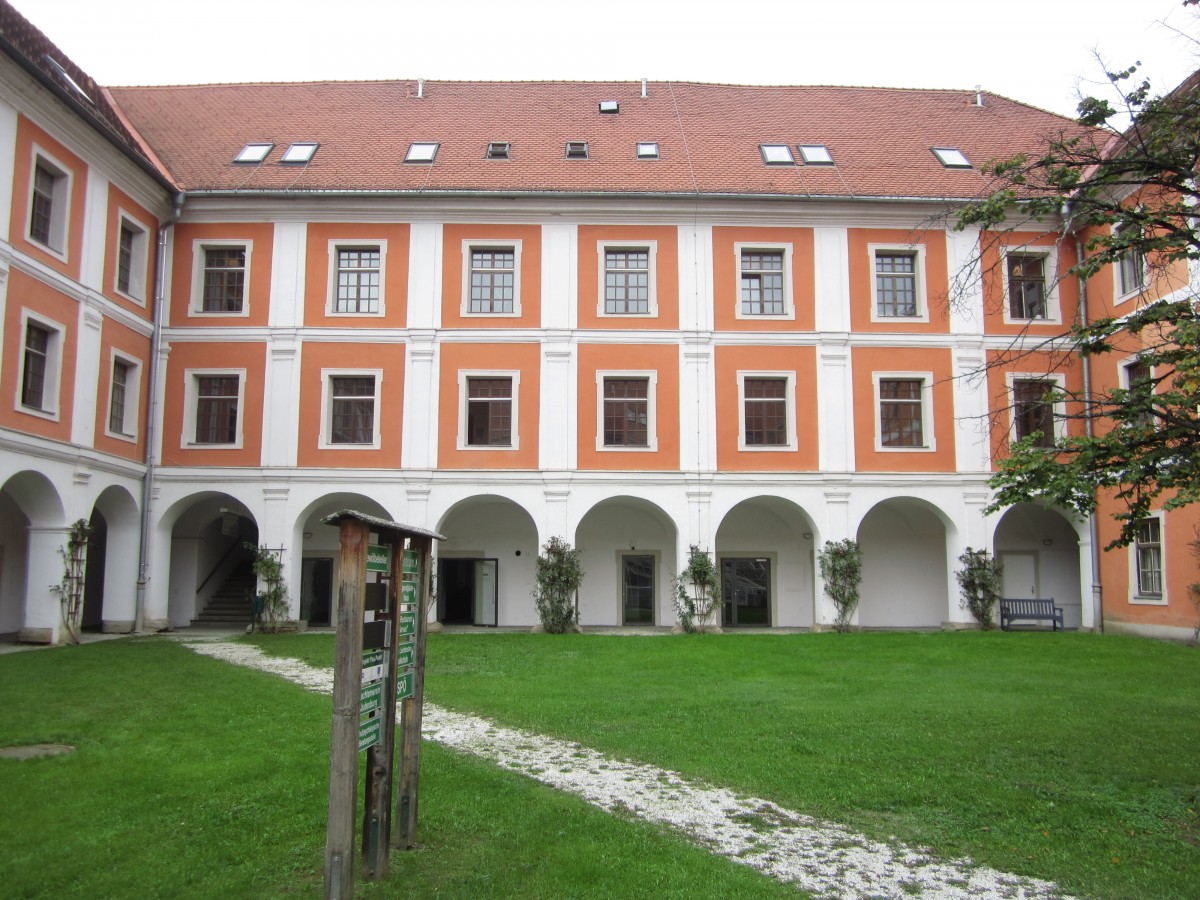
{"x": 1069, "y": 757}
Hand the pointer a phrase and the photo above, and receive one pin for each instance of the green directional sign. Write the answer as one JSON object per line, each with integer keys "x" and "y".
{"x": 405, "y": 685}
{"x": 406, "y": 654}
{"x": 370, "y": 732}
{"x": 372, "y": 698}
{"x": 408, "y": 623}
{"x": 408, "y": 593}
{"x": 372, "y": 666}
{"x": 379, "y": 559}
{"x": 412, "y": 563}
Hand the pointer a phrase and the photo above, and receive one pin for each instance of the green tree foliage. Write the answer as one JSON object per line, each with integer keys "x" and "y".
{"x": 70, "y": 589}
{"x": 558, "y": 578}
{"x": 1133, "y": 191}
{"x": 697, "y": 593}
{"x": 979, "y": 584}
{"x": 841, "y": 570}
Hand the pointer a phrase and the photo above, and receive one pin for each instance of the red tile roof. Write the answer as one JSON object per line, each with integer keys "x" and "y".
{"x": 708, "y": 135}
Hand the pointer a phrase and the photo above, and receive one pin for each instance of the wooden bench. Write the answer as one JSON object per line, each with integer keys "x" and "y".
{"x": 1035, "y": 610}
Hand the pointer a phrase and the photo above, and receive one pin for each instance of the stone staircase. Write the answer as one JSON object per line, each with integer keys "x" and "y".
{"x": 230, "y": 605}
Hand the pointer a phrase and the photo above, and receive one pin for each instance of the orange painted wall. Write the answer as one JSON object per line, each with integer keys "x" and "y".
{"x": 1179, "y": 530}
{"x": 523, "y": 358}
{"x": 994, "y": 276}
{"x": 25, "y": 292}
{"x": 316, "y": 356}
{"x": 116, "y": 336}
{"x": 936, "y": 279}
{"x": 800, "y": 361}
{"x": 258, "y": 291}
{"x": 663, "y": 360}
{"x": 1029, "y": 364}
{"x": 869, "y": 360}
{"x": 214, "y": 355}
{"x": 666, "y": 270}
{"x": 530, "y": 237}
{"x": 28, "y": 135}
{"x": 118, "y": 200}
{"x": 395, "y": 274}
{"x": 726, "y": 283}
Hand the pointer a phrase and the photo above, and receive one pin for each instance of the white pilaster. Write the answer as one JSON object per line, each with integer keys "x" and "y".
{"x": 425, "y": 276}
{"x": 558, "y": 449}
{"x": 831, "y": 250}
{"x": 560, "y": 276}
{"x": 88, "y": 390}
{"x": 835, "y": 405}
{"x": 287, "y": 275}
{"x": 419, "y": 448}
{"x": 44, "y": 570}
{"x": 280, "y": 439}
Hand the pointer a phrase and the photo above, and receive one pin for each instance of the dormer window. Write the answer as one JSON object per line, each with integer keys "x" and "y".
{"x": 951, "y": 157}
{"x": 254, "y": 152}
{"x": 299, "y": 153}
{"x": 610, "y": 106}
{"x": 777, "y": 154}
{"x": 499, "y": 150}
{"x": 421, "y": 152}
{"x": 577, "y": 150}
{"x": 647, "y": 150}
{"x": 815, "y": 154}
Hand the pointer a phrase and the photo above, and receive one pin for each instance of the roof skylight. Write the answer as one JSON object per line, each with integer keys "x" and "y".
{"x": 421, "y": 152}
{"x": 577, "y": 150}
{"x": 254, "y": 152}
{"x": 777, "y": 154}
{"x": 610, "y": 106}
{"x": 647, "y": 150}
{"x": 815, "y": 154}
{"x": 951, "y": 157}
{"x": 299, "y": 153}
{"x": 499, "y": 150}
{"x": 66, "y": 76}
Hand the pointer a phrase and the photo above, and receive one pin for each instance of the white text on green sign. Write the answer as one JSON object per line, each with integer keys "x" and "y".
{"x": 370, "y": 732}
{"x": 372, "y": 698}
{"x": 408, "y": 593}
{"x": 408, "y": 623}
{"x": 379, "y": 559}
{"x": 404, "y": 685}
{"x": 412, "y": 563}
{"x": 406, "y": 654}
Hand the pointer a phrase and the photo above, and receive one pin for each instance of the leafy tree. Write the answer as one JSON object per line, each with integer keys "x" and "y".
{"x": 559, "y": 575}
{"x": 697, "y": 593}
{"x": 841, "y": 570}
{"x": 979, "y": 583}
{"x": 1131, "y": 194}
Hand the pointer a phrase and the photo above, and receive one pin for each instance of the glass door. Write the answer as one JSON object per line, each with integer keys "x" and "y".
{"x": 637, "y": 589}
{"x": 746, "y": 591}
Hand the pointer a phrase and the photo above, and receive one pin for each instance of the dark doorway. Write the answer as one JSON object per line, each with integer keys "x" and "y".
{"x": 93, "y": 577}
{"x": 467, "y": 591}
{"x": 746, "y": 591}
{"x": 316, "y": 590}
{"x": 637, "y": 589}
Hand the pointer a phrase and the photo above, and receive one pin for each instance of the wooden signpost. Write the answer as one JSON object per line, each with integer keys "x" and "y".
{"x": 379, "y": 660}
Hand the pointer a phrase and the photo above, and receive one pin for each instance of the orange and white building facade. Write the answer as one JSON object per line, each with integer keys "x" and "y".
{"x": 637, "y": 316}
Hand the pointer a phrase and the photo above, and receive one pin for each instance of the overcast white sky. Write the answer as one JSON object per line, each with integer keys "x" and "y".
{"x": 1036, "y": 51}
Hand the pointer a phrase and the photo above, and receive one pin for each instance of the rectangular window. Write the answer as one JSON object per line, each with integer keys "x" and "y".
{"x": 35, "y": 367}
{"x": 626, "y": 412}
{"x": 626, "y": 281}
{"x": 895, "y": 284}
{"x": 41, "y": 214}
{"x": 49, "y": 189}
{"x": 901, "y": 416}
{"x": 117, "y": 397}
{"x": 1033, "y": 410}
{"x": 762, "y": 283}
{"x": 352, "y": 409}
{"x": 217, "y": 409}
{"x": 765, "y": 412}
{"x": 1131, "y": 267}
{"x": 358, "y": 280}
{"x": 1148, "y": 551}
{"x": 1139, "y": 382}
{"x": 492, "y": 280}
{"x": 124, "y": 257}
{"x": 1027, "y": 286}
{"x": 224, "y": 283}
{"x": 489, "y": 412}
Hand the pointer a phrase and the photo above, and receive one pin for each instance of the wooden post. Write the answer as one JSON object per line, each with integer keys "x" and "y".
{"x": 410, "y": 711}
{"x": 347, "y": 692}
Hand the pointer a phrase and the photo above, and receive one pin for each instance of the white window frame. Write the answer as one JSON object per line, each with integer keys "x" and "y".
{"x": 1060, "y": 406}
{"x": 790, "y": 409}
{"x": 325, "y": 440}
{"x": 651, "y": 248}
{"x": 133, "y": 393}
{"x": 140, "y": 258}
{"x": 1137, "y": 598}
{"x": 52, "y": 380}
{"x": 651, "y": 376}
{"x": 331, "y": 296}
{"x": 1049, "y": 257}
{"x": 199, "y": 246}
{"x": 490, "y": 244}
{"x": 927, "y": 432}
{"x": 917, "y": 252}
{"x": 774, "y": 154}
{"x": 647, "y": 150}
{"x": 464, "y": 375}
{"x": 60, "y": 204}
{"x": 422, "y": 152}
{"x": 191, "y": 381}
{"x": 789, "y": 308}
{"x": 1119, "y": 291}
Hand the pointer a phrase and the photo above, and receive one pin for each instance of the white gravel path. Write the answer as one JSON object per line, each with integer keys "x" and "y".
{"x": 822, "y": 858}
